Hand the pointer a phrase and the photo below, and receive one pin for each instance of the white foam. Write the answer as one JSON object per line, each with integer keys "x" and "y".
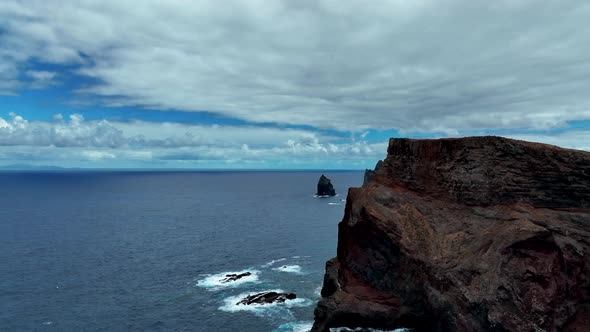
{"x": 48, "y": 323}
{"x": 325, "y": 196}
{"x": 318, "y": 291}
{"x": 295, "y": 327}
{"x": 269, "y": 309}
{"x": 271, "y": 263}
{"x": 215, "y": 281}
{"x": 334, "y": 204}
{"x": 289, "y": 269}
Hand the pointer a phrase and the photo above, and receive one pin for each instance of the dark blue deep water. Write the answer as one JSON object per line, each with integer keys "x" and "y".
{"x": 112, "y": 251}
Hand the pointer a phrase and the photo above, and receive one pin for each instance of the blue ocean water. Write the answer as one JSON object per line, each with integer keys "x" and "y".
{"x": 143, "y": 251}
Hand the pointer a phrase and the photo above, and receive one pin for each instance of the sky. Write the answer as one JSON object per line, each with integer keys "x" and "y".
{"x": 283, "y": 84}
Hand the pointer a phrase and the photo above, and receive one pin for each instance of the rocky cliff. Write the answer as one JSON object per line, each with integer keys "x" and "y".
{"x": 469, "y": 234}
{"x": 370, "y": 173}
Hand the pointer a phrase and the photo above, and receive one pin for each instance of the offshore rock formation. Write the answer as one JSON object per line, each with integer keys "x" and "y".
{"x": 267, "y": 298}
{"x": 325, "y": 187}
{"x": 235, "y": 276}
{"x": 468, "y": 234}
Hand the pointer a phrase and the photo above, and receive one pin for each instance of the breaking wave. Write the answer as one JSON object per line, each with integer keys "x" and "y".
{"x": 271, "y": 263}
{"x": 295, "y": 327}
{"x": 271, "y": 309}
{"x": 289, "y": 269}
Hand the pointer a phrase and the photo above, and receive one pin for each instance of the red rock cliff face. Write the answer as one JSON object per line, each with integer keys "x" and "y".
{"x": 469, "y": 234}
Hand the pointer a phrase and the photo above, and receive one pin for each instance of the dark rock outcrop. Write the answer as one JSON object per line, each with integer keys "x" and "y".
{"x": 325, "y": 187}
{"x": 469, "y": 234}
{"x": 369, "y": 174}
{"x": 267, "y": 298}
{"x": 234, "y": 276}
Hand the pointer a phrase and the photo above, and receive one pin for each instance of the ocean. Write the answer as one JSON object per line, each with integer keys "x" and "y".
{"x": 144, "y": 251}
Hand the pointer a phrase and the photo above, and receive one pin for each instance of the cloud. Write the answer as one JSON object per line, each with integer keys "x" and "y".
{"x": 80, "y": 142}
{"x": 101, "y": 143}
{"x": 97, "y": 155}
{"x": 430, "y": 66}
{"x": 78, "y": 132}
{"x": 40, "y": 79}
{"x": 74, "y": 133}
{"x": 573, "y": 139}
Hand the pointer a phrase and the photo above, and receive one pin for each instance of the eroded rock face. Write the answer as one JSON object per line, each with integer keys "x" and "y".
{"x": 471, "y": 234}
{"x": 370, "y": 173}
{"x": 267, "y": 298}
{"x": 325, "y": 187}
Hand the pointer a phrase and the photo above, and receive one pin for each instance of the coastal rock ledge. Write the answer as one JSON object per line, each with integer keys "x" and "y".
{"x": 467, "y": 234}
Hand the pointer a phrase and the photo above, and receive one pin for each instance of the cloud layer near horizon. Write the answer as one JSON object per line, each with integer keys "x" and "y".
{"x": 74, "y": 141}
{"x": 425, "y": 65}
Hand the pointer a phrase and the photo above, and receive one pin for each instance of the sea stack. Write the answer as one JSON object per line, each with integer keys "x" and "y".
{"x": 325, "y": 187}
{"x": 466, "y": 234}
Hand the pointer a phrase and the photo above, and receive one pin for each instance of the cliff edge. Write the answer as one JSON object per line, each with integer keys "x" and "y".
{"x": 467, "y": 234}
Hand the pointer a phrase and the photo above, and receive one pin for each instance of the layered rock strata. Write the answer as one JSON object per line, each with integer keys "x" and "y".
{"x": 468, "y": 234}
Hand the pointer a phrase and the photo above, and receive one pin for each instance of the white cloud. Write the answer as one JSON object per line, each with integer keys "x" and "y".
{"x": 82, "y": 143}
{"x": 97, "y": 155}
{"x": 79, "y": 141}
{"x": 427, "y": 65}
{"x": 4, "y": 124}
{"x": 40, "y": 79}
{"x": 573, "y": 139}
{"x": 75, "y": 132}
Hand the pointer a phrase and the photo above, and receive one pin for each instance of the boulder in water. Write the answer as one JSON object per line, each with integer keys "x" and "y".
{"x": 325, "y": 187}
{"x": 267, "y": 298}
{"x": 234, "y": 276}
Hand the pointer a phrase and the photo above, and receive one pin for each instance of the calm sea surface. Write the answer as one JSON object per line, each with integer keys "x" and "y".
{"x": 113, "y": 251}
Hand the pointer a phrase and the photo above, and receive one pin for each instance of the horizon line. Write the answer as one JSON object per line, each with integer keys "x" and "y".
{"x": 134, "y": 169}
